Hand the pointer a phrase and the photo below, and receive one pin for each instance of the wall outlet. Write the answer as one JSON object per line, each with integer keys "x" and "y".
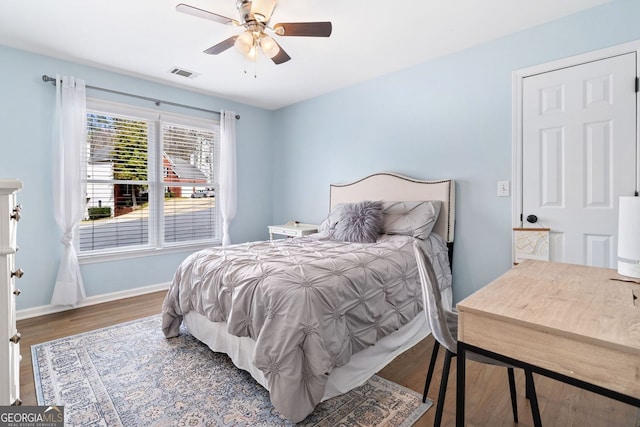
{"x": 503, "y": 189}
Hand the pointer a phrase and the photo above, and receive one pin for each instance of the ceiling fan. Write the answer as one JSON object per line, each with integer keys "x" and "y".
{"x": 254, "y": 17}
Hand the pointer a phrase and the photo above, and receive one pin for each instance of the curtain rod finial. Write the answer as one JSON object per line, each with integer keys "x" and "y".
{"x": 48, "y": 79}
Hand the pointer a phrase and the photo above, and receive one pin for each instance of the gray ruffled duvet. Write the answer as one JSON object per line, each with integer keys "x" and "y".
{"x": 309, "y": 303}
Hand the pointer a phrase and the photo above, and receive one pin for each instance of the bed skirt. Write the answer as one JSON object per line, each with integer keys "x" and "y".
{"x": 360, "y": 368}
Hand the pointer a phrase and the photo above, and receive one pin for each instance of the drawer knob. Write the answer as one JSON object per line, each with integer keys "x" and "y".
{"x": 18, "y": 273}
{"x": 17, "y": 291}
{"x": 16, "y": 213}
{"x": 16, "y": 338}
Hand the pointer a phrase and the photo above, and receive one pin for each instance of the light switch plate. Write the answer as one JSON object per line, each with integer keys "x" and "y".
{"x": 504, "y": 189}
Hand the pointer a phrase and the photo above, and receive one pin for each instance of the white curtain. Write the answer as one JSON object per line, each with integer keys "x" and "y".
{"x": 69, "y": 188}
{"x": 228, "y": 185}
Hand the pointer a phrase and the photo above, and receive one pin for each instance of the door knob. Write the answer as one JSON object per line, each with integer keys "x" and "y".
{"x": 15, "y": 338}
{"x": 16, "y": 213}
{"x": 532, "y": 219}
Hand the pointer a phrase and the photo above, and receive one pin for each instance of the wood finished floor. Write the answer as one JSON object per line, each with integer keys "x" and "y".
{"x": 488, "y": 401}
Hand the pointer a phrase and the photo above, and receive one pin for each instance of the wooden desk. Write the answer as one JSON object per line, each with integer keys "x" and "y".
{"x": 568, "y": 322}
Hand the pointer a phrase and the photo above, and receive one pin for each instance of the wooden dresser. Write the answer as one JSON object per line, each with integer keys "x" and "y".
{"x": 9, "y": 336}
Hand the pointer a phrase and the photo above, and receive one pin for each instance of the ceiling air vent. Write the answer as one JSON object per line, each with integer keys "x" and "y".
{"x": 184, "y": 73}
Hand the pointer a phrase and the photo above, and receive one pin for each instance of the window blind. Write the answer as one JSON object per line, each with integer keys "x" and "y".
{"x": 151, "y": 182}
{"x": 189, "y": 183}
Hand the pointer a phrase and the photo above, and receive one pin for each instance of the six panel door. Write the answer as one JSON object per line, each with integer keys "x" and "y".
{"x": 579, "y": 155}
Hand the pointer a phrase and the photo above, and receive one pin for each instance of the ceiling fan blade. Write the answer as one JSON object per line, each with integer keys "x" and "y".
{"x": 201, "y": 13}
{"x": 281, "y": 56}
{"x": 304, "y": 29}
{"x": 222, "y": 46}
{"x": 262, "y": 9}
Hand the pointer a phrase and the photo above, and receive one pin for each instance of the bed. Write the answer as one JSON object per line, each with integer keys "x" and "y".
{"x": 313, "y": 317}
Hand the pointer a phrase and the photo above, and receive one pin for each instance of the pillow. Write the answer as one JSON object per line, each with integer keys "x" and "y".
{"x": 330, "y": 222}
{"x": 414, "y": 219}
{"x": 360, "y": 222}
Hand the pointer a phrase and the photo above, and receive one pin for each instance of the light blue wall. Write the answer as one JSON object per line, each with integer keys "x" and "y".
{"x": 26, "y": 106}
{"x": 449, "y": 117}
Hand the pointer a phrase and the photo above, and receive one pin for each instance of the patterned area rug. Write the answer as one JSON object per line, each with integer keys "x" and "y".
{"x": 130, "y": 375}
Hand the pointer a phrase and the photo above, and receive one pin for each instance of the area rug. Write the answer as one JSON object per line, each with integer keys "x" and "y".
{"x": 130, "y": 375}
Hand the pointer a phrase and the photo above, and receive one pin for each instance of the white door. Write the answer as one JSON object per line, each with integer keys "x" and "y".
{"x": 579, "y": 155}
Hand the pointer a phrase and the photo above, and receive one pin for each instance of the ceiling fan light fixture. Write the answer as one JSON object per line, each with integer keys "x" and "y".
{"x": 269, "y": 46}
{"x": 251, "y": 55}
{"x": 244, "y": 42}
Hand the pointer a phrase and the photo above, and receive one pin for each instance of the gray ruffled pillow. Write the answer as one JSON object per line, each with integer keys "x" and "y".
{"x": 360, "y": 222}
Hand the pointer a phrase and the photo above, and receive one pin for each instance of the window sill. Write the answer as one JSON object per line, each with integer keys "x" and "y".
{"x": 140, "y": 253}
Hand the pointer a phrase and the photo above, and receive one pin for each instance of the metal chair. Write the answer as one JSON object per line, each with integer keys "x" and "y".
{"x": 444, "y": 327}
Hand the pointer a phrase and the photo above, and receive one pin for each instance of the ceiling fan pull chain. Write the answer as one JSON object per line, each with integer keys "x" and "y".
{"x": 256, "y": 45}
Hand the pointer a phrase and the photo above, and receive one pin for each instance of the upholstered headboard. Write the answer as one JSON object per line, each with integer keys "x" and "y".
{"x": 392, "y": 187}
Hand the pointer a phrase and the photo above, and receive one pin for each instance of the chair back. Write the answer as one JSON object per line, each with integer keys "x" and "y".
{"x": 438, "y": 317}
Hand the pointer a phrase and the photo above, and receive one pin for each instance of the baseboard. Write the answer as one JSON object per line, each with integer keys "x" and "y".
{"x": 97, "y": 299}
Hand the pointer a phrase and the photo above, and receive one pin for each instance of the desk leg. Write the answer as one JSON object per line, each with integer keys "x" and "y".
{"x": 460, "y": 385}
{"x": 533, "y": 399}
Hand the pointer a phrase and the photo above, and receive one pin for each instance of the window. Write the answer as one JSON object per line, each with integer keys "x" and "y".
{"x": 151, "y": 180}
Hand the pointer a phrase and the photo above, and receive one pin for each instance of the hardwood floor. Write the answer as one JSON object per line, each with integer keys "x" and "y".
{"x": 488, "y": 401}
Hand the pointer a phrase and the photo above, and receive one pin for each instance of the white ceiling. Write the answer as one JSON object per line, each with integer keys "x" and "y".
{"x": 370, "y": 38}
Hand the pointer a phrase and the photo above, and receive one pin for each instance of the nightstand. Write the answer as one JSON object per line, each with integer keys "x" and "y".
{"x": 296, "y": 230}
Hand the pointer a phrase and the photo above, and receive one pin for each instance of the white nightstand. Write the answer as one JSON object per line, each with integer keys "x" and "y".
{"x": 296, "y": 230}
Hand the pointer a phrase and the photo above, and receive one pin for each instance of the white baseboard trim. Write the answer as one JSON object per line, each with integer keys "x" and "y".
{"x": 97, "y": 299}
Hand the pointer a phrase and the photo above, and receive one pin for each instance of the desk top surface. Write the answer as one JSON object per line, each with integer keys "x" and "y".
{"x": 564, "y": 299}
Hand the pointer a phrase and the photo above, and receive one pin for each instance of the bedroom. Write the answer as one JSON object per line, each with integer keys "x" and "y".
{"x": 447, "y": 117}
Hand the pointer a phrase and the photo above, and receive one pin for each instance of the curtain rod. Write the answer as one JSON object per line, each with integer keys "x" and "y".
{"x": 47, "y": 79}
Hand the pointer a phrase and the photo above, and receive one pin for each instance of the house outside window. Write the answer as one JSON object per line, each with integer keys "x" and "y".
{"x": 151, "y": 181}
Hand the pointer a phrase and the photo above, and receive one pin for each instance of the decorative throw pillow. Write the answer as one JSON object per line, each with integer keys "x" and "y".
{"x": 360, "y": 222}
{"x": 415, "y": 219}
